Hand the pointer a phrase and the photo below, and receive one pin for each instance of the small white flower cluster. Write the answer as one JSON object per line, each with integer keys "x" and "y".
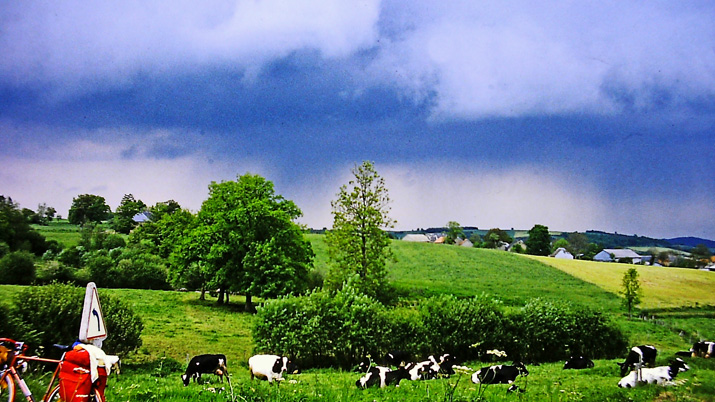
{"x": 462, "y": 369}
{"x": 496, "y": 352}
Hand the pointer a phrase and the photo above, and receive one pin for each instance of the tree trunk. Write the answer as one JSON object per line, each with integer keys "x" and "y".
{"x": 220, "y": 296}
{"x": 203, "y": 293}
{"x": 250, "y": 308}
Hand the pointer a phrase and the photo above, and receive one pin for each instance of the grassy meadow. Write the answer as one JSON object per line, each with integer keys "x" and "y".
{"x": 178, "y": 325}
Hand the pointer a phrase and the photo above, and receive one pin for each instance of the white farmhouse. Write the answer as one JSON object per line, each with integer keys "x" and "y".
{"x": 416, "y": 237}
{"x": 562, "y": 253}
{"x": 617, "y": 255}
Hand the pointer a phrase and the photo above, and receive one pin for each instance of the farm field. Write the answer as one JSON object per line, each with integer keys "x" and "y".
{"x": 178, "y": 325}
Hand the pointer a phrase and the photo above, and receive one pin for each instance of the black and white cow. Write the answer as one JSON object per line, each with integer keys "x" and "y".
{"x": 382, "y": 376}
{"x": 424, "y": 370}
{"x": 398, "y": 358}
{"x": 657, "y": 375}
{"x": 204, "y": 364}
{"x": 703, "y": 349}
{"x": 578, "y": 363}
{"x": 445, "y": 362}
{"x": 638, "y": 357}
{"x": 499, "y": 374}
{"x": 270, "y": 367}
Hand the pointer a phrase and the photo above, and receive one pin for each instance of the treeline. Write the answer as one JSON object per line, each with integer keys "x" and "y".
{"x": 243, "y": 240}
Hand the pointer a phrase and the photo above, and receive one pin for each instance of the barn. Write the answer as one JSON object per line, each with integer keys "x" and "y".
{"x": 618, "y": 255}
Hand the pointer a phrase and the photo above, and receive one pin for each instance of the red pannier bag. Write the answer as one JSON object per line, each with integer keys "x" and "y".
{"x": 76, "y": 379}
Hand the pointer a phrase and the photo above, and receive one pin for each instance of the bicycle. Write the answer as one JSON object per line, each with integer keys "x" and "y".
{"x": 11, "y": 374}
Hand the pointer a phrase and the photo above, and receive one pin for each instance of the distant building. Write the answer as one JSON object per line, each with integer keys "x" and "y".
{"x": 465, "y": 243}
{"x": 618, "y": 255}
{"x": 562, "y": 253}
{"x": 416, "y": 237}
{"x": 142, "y": 217}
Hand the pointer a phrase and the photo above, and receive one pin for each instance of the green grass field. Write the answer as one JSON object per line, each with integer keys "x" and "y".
{"x": 178, "y": 325}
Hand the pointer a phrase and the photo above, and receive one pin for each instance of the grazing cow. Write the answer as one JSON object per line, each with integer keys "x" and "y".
{"x": 703, "y": 349}
{"x": 578, "y": 363}
{"x": 205, "y": 364}
{"x": 383, "y": 376}
{"x": 270, "y": 367}
{"x": 500, "y": 374}
{"x": 397, "y": 358}
{"x": 657, "y": 375}
{"x": 638, "y": 357}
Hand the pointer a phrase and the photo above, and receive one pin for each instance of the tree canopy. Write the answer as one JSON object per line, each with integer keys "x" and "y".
{"x": 539, "y": 241}
{"x": 123, "y": 220}
{"x": 454, "y": 232}
{"x": 245, "y": 240}
{"x": 358, "y": 245}
{"x": 88, "y": 208}
{"x": 16, "y": 232}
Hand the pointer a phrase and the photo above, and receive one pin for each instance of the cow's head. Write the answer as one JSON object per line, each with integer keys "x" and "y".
{"x": 278, "y": 366}
{"x": 625, "y": 367}
{"x": 186, "y": 379}
{"x": 291, "y": 366}
{"x": 521, "y": 368}
{"x": 679, "y": 365}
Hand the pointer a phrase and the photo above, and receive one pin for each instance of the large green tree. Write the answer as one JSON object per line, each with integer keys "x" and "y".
{"x": 539, "y": 241}
{"x": 248, "y": 242}
{"x": 123, "y": 220}
{"x": 358, "y": 245}
{"x": 88, "y": 208}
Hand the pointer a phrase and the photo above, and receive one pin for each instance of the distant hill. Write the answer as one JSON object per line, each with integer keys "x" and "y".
{"x": 691, "y": 242}
{"x": 604, "y": 239}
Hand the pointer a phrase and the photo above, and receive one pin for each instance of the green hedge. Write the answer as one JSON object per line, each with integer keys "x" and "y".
{"x": 339, "y": 330}
{"x": 44, "y": 315}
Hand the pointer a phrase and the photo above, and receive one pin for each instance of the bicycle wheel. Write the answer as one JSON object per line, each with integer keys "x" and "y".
{"x": 7, "y": 389}
{"x": 55, "y": 396}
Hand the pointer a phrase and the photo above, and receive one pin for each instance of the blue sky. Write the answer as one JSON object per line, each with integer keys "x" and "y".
{"x": 575, "y": 115}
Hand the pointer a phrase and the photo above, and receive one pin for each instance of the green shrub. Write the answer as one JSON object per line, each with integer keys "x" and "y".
{"x": 320, "y": 329}
{"x": 54, "y": 271}
{"x": 17, "y": 268}
{"x": 466, "y": 328}
{"x": 551, "y": 331}
{"x": 52, "y": 314}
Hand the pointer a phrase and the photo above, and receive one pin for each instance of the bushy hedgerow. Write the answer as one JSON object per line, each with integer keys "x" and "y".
{"x": 17, "y": 268}
{"x": 51, "y": 314}
{"x": 339, "y": 330}
{"x": 550, "y": 331}
{"x": 321, "y": 329}
{"x": 462, "y": 327}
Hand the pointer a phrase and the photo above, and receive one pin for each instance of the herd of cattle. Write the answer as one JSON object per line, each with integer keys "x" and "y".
{"x": 636, "y": 370}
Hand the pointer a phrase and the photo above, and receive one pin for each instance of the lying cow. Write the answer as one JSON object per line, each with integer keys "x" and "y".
{"x": 397, "y": 358}
{"x": 270, "y": 367}
{"x": 205, "y": 364}
{"x": 382, "y": 376}
{"x": 657, "y": 375}
{"x": 703, "y": 349}
{"x": 424, "y": 370}
{"x": 499, "y": 374}
{"x": 578, "y": 363}
{"x": 638, "y": 357}
{"x": 445, "y": 363}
